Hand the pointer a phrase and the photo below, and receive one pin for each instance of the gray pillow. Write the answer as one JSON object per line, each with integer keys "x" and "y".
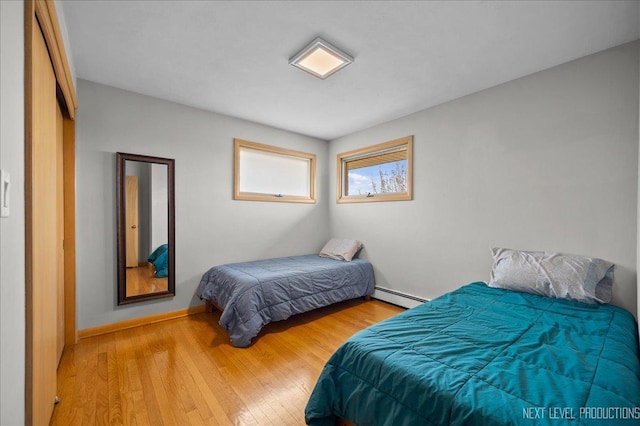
{"x": 580, "y": 278}
{"x": 341, "y": 249}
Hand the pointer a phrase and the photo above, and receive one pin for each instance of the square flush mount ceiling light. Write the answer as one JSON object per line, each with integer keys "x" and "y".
{"x": 320, "y": 59}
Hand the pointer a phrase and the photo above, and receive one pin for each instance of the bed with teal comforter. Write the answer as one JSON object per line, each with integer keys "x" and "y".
{"x": 486, "y": 356}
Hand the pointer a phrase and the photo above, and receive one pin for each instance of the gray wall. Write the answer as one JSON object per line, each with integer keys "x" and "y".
{"x": 12, "y": 279}
{"x": 65, "y": 39}
{"x": 143, "y": 172}
{"x": 211, "y": 228}
{"x": 545, "y": 162}
{"x": 159, "y": 202}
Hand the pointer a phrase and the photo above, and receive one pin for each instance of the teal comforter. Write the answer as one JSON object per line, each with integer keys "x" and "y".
{"x": 486, "y": 356}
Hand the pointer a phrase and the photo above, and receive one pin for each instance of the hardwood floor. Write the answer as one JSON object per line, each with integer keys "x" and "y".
{"x": 141, "y": 280}
{"x": 185, "y": 371}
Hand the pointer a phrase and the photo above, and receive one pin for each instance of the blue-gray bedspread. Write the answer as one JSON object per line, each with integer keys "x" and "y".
{"x": 252, "y": 294}
{"x": 486, "y": 356}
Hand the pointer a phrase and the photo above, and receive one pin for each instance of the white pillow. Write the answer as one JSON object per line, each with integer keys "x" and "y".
{"x": 341, "y": 249}
{"x": 580, "y": 278}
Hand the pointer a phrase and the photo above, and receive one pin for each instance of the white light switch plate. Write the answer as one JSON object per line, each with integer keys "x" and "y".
{"x": 5, "y": 186}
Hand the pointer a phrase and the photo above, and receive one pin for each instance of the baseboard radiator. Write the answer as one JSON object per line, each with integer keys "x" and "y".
{"x": 398, "y": 297}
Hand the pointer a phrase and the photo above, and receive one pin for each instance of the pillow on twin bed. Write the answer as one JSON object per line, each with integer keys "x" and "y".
{"x": 584, "y": 279}
{"x": 341, "y": 249}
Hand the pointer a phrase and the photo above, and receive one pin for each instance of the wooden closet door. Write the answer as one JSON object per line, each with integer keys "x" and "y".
{"x": 49, "y": 226}
{"x": 60, "y": 231}
{"x": 44, "y": 239}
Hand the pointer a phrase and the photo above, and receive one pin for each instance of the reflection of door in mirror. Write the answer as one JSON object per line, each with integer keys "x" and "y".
{"x": 146, "y": 220}
{"x": 132, "y": 221}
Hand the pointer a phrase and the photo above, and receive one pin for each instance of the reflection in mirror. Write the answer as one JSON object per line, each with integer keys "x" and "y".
{"x": 145, "y": 228}
{"x": 146, "y": 219}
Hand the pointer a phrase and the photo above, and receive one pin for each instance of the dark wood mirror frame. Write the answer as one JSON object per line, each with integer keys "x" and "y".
{"x": 121, "y": 158}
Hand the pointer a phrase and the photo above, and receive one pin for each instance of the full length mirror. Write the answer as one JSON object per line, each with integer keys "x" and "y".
{"x": 146, "y": 227}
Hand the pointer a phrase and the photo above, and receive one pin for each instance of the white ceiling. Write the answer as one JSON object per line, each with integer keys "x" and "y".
{"x": 231, "y": 57}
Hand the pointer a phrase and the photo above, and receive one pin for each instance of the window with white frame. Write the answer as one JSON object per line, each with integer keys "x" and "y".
{"x": 380, "y": 172}
{"x": 269, "y": 173}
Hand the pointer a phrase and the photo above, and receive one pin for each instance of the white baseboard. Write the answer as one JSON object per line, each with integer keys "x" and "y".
{"x": 398, "y": 297}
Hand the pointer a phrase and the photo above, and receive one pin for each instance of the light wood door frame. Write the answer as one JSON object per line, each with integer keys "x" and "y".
{"x": 40, "y": 15}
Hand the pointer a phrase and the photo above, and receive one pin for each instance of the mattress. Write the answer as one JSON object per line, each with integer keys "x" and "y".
{"x": 252, "y": 294}
{"x": 486, "y": 356}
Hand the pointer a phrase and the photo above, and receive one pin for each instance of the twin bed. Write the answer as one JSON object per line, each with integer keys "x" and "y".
{"x": 486, "y": 356}
{"x": 479, "y": 355}
{"x": 253, "y": 294}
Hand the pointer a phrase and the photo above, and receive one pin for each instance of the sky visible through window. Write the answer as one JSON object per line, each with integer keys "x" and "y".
{"x": 369, "y": 180}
